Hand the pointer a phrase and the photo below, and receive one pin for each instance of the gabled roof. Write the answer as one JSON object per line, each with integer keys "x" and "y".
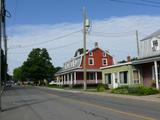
{"x": 80, "y": 50}
{"x": 107, "y": 52}
{"x": 155, "y": 34}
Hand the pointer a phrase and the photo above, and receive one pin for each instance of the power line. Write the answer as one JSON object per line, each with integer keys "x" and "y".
{"x": 49, "y": 49}
{"x": 15, "y": 15}
{"x": 63, "y": 46}
{"x": 47, "y": 41}
{"x": 114, "y": 33}
{"x": 105, "y": 35}
{"x": 135, "y": 3}
{"x": 150, "y": 1}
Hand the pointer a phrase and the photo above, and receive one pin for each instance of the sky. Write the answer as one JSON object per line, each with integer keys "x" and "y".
{"x": 57, "y": 26}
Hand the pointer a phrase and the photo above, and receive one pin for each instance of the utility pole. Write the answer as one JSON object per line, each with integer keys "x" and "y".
{"x": 0, "y": 56}
{"x": 137, "y": 43}
{"x": 86, "y": 25}
{"x": 5, "y": 40}
{"x": 2, "y": 37}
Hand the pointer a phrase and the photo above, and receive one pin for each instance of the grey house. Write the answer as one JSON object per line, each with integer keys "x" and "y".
{"x": 149, "y": 59}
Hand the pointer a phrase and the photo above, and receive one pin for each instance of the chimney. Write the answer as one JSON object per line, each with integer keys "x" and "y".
{"x": 96, "y": 45}
{"x": 128, "y": 58}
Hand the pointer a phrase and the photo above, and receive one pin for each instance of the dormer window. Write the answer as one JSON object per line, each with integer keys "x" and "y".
{"x": 90, "y": 53}
{"x": 155, "y": 44}
{"x": 104, "y": 54}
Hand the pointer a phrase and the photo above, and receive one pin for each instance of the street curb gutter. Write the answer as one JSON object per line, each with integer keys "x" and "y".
{"x": 150, "y": 98}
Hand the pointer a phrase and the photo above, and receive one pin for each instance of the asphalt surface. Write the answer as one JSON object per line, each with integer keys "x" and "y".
{"x": 30, "y": 103}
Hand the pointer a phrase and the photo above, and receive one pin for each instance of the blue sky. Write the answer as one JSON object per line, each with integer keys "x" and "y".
{"x": 113, "y": 27}
{"x": 58, "y": 11}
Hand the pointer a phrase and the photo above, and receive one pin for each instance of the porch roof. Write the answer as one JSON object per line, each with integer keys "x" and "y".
{"x": 116, "y": 65}
{"x": 76, "y": 70}
{"x": 146, "y": 60}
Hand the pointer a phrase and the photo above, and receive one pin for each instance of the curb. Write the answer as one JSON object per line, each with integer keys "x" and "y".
{"x": 140, "y": 98}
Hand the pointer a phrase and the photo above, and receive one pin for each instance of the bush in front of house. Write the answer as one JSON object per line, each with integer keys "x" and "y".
{"x": 102, "y": 87}
{"x": 135, "y": 90}
{"x": 53, "y": 86}
{"x": 121, "y": 90}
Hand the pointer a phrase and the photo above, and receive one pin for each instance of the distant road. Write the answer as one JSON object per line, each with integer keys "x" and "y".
{"x": 30, "y": 103}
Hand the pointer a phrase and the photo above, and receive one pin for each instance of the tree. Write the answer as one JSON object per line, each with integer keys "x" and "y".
{"x": 57, "y": 69}
{"x": 38, "y": 66}
{"x": 18, "y": 75}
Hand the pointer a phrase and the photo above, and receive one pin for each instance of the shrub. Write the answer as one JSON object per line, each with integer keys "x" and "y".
{"x": 53, "y": 86}
{"x": 102, "y": 87}
{"x": 135, "y": 90}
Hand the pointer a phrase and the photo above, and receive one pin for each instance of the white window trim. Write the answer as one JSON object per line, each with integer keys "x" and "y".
{"x": 91, "y": 53}
{"x": 103, "y": 62}
{"x": 158, "y": 47}
{"x": 89, "y": 61}
{"x": 104, "y": 54}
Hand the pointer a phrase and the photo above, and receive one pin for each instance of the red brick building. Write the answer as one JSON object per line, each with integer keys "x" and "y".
{"x": 72, "y": 71}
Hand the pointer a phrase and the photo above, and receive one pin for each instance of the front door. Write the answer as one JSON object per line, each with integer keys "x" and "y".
{"x": 115, "y": 80}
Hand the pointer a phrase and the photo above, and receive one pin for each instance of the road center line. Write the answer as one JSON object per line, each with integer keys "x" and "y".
{"x": 105, "y": 107}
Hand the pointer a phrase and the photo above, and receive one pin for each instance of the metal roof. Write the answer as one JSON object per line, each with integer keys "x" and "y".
{"x": 155, "y": 34}
{"x": 146, "y": 60}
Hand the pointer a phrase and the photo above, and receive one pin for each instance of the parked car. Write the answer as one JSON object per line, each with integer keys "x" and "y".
{"x": 9, "y": 83}
{"x": 52, "y": 83}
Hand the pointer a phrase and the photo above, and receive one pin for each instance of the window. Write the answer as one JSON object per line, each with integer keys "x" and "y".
{"x": 91, "y": 61}
{"x": 104, "y": 54}
{"x": 123, "y": 77}
{"x": 154, "y": 45}
{"x": 90, "y": 53}
{"x": 108, "y": 78}
{"x": 104, "y": 62}
{"x": 91, "y": 76}
{"x": 136, "y": 76}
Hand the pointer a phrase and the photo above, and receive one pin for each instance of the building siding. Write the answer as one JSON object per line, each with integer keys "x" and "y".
{"x": 117, "y": 69}
{"x": 147, "y": 74}
{"x": 97, "y": 56}
{"x": 145, "y": 49}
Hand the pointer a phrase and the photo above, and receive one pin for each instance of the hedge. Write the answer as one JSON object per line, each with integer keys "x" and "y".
{"x": 102, "y": 87}
{"x": 135, "y": 90}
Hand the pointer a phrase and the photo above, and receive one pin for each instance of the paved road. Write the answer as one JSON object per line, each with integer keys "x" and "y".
{"x": 30, "y": 103}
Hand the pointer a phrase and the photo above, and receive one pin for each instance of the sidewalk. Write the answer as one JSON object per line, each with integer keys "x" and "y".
{"x": 148, "y": 98}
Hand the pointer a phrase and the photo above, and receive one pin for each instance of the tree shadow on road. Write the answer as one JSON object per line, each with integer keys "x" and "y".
{"x": 27, "y": 103}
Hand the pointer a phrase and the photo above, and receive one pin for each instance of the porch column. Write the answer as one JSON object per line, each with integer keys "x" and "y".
{"x": 156, "y": 74}
{"x": 113, "y": 80}
{"x": 57, "y": 80}
{"x": 67, "y": 78}
{"x": 71, "y": 78}
{"x": 118, "y": 79}
{"x": 64, "y": 82}
{"x": 139, "y": 76}
{"x": 74, "y": 77}
{"x": 96, "y": 77}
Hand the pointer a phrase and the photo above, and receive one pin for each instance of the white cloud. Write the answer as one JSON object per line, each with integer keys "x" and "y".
{"x": 119, "y": 45}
